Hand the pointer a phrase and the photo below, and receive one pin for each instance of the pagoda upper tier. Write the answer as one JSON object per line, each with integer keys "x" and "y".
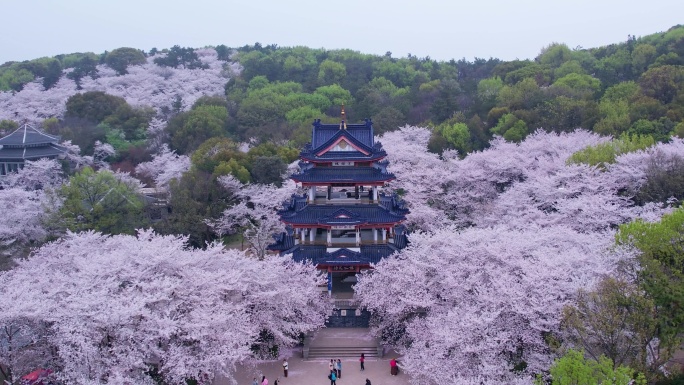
{"x": 336, "y": 143}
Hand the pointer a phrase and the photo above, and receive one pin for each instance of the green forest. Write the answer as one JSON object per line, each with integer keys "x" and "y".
{"x": 633, "y": 88}
{"x": 627, "y": 88}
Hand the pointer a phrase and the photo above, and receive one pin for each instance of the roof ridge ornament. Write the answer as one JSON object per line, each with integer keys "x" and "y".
{"x": 343, "y": 123}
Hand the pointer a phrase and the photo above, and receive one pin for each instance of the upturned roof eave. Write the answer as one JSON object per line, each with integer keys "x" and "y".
{"x": 377, "y": 156}
{"x": 330, "y": 224}
{"x": 350, "y": 180}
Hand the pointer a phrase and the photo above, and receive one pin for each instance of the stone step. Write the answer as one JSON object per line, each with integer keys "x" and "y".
{"x": 342, "y": 352}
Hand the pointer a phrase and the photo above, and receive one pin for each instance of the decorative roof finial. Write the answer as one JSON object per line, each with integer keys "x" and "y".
{"x": 343, "y": 124}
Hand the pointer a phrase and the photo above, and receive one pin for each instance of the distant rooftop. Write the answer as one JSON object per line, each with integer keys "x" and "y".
{"x": 28, "y": 143}
{"x": 27, "y": 135}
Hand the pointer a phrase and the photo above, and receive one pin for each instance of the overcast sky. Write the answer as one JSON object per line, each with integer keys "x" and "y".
{"x": 443, "y": 30}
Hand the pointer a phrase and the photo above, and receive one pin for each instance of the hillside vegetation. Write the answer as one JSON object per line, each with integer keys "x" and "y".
{"x": 273, "y": 93}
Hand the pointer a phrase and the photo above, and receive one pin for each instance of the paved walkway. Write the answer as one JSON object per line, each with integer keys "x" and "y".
{"x": 315, "y": 372}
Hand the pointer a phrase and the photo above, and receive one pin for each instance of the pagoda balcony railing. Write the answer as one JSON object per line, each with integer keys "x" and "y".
{"x": 342, "y": 201}
{"x": 344, "y": 303}
{"x": 344, "y": 242}
{"x": 344, "y": 195}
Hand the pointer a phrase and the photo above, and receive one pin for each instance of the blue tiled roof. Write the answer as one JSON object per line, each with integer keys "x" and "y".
{"x": 322, "y": 133}
{"x": 297, "y": 202}
{"x": 342, "y": 174}
{"x": 328, "y": 215}
{"x": 27, "y": 135}
{"x": 283, "y": 241}
{"x": 392, "y": 202}
{"x": 400, "y": 239}
{"x": 319, "y": 255}
{"x": 347, "y": 136}
{"x": 15, "y": 153}
{"x": 359, "y": 135}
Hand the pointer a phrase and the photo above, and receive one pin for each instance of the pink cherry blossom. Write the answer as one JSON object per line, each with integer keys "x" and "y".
{"x": 117, "y": 304}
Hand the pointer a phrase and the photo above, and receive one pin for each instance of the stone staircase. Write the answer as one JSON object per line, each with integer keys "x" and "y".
{"x": 342, "y": 352}
{"x": 334, "y": 343}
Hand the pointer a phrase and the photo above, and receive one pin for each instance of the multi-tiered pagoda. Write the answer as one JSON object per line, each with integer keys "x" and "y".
{"x": 343, "y": 223}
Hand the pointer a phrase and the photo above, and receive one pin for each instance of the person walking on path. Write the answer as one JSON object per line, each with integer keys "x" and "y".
{"x": 339, "y": 368}
{"x": 331, "y": 366}
{"x": 255, "y": 382}
{"x": 285, "y": 367}
{"x": 394, "y": 370}
{"x": 276, "y": 381}
{"x": 368, "y": 382}
{"x": 362, "y": 360}
{"x": 333, "y": 378}
{"x": 264, "y": 380}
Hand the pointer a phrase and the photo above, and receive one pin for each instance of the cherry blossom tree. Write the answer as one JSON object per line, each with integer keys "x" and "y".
{"x": 581, "y": 197}
{"x": 101, "y": 153}
{"x": 34, "y": 103}
{"x": 144, "y": 85}
{"x": 156, "y": 135}
{"x": 35, "y": 175}
{"x": 164, "y": 166}
{"x": 22, "y": 223}
{"x": 509, "y": 179}
{"x": 420, "y": 175}
{"x": 503, "y": 238}
{"x": 649, "y": 173}
{"x": 479, "y": 179}
{"x": 255, "y": 214}
{"x": 23, "y": 220}
{"x": 73, "y": 156}
{"x": 129, "y": 180}
{"x": 158, "y": 87}
{"x": 118, "y": 305}
{"x": 480, "y": 301}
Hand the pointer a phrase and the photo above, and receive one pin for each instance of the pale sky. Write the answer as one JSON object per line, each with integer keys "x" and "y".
{"x": 443, "y": 30}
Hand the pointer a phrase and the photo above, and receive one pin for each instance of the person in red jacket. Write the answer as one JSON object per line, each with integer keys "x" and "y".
{"x": 394, "y": 369}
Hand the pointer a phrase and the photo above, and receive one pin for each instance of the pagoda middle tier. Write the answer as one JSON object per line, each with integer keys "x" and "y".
{"x": 329, "y": 175}
{"x": 298, "y": 212}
